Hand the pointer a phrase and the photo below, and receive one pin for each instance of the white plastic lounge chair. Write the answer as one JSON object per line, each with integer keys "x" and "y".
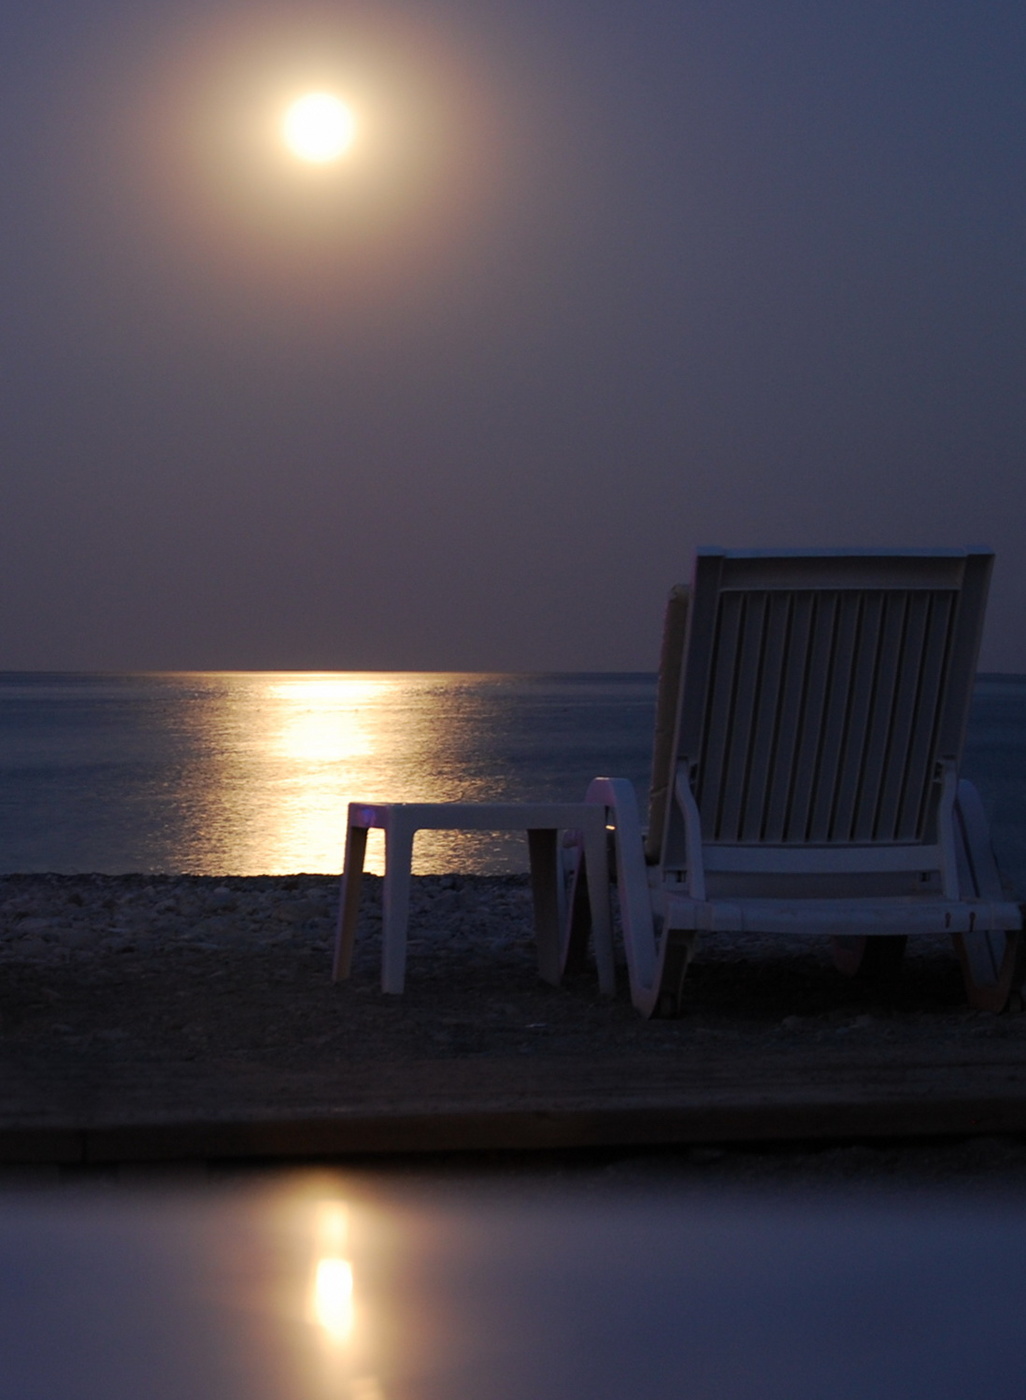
{"x": 811, "y": 717}
{"x": 560, "y": 935}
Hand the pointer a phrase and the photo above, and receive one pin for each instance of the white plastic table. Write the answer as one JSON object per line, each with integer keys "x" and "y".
{"x": 543, "y": 821}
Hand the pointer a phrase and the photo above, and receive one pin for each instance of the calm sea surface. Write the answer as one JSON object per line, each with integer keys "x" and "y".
{"x": 331, "y": 1286}
{"x": 250, "y": 773}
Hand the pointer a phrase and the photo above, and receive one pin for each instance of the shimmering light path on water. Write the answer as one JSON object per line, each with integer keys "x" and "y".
{"x": 340, "y": 1287}
{"x": 246, "y": 773}
{"x": 250, "y": 773}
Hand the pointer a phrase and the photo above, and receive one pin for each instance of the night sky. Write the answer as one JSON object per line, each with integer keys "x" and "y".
{"x": 598, "y": 282}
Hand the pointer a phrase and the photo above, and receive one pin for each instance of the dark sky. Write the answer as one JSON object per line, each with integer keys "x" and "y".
{"x": 600, "y": 282}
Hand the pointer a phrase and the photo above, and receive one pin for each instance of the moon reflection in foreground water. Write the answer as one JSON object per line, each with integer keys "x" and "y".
{"x": 340, "y": 1287}
{"x": 332, "y": 1295}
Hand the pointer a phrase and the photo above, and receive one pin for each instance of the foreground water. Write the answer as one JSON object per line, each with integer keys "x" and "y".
{"x": 331, "y": 1286}
{"x": 246, "y": 773}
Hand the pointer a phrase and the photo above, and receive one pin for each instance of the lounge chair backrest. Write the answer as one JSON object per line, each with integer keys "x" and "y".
{"x": 671, "y": 663}
{"x": 822, "y": 695}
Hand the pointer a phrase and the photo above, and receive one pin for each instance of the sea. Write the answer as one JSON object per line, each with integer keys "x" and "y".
{"x": 249, "y": 773}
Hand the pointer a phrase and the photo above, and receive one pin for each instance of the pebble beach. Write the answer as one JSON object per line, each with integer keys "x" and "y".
{"x": 124, "y": 988}
{"x": 250, "y": 958}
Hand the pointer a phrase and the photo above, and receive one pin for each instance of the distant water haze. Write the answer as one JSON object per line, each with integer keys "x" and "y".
{"x": 250, "y": 773}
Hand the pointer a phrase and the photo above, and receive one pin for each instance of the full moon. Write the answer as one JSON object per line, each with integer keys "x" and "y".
{"x": 318, "y": 128}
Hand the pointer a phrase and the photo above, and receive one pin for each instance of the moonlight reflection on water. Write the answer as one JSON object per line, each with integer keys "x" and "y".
{"x": 249, "y": 773}
{"x": 361, "y": 1288}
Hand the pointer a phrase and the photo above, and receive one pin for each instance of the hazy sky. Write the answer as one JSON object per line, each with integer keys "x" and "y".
{"x": 599, "y": 282}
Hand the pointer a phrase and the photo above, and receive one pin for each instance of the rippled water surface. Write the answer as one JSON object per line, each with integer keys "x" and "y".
{"x": 250, "y": 773}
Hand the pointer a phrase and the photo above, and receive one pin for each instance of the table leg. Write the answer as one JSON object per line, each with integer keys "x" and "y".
{"x": 543, "y": 848}
{"x": 349, "y": 900}
{"x": 395, "y": 900}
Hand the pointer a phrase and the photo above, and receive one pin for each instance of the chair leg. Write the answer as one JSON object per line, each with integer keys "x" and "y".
{"x": 993, "y": 967}
{"x": 395, "y": 913}
{"x": 676, "y": 951}
{"x": 596, "y": 862}
{"x": 349, "y": 901}
{"x": 543, "y": 848}
{"x": 993, "y": 962}
{"x": 577, "y": 921}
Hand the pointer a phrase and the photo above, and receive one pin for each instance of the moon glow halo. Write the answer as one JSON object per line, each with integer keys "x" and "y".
{"x": 318, "y": 128}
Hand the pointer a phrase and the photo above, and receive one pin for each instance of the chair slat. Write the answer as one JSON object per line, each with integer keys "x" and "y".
{"x": 747, "y": 683}
{"x": 813, "y": 705}
{"x": 795, "y": 661}
{"x": 849, "y": 776}
{"x": 771, "y": 717}
{"x": 720, "y": 710}
{"x": 923, "y": 741}
{"x": 888, "y": 662}
{"x": 907, "y": 697}
{"x": 836, "y": 712}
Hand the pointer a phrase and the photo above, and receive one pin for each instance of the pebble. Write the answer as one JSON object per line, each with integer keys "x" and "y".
{"x": 77, "y": 938}
{"x": 298, "y": 911}
{"x": 33, "y": 926}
